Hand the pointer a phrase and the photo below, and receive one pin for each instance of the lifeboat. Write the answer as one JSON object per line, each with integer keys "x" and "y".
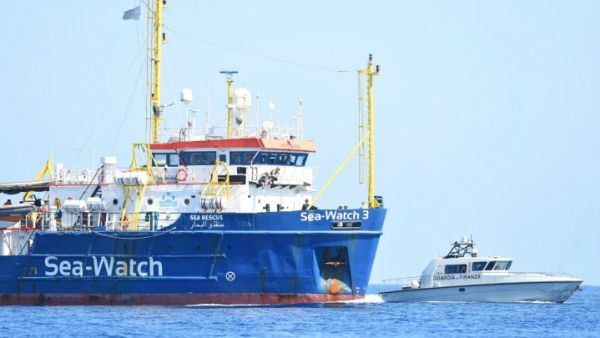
{"x": 12, "y": 214}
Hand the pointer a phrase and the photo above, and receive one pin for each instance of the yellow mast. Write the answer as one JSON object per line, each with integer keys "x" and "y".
{"x": 230, "y": 118}
{"x": 229, "y": 107}
{"x": 370, "y": 72}
{"x": 156, "y": 54}
{"x": 368, "y": 137}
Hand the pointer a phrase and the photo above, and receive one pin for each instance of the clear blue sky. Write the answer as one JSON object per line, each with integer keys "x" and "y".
{"x": 487, "y": 112}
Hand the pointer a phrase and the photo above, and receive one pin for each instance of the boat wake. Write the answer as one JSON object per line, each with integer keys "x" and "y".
{"x": 228, "y": 305}
{"x": 534, "y": 302}
{"x": 369, "y": 299}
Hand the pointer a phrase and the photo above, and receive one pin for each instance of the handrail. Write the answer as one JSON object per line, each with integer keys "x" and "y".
{"x": 214, "y": 187}
{"x": 400, "y": 280}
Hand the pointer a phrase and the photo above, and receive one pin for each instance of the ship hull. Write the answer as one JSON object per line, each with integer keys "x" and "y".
{"x": 554, "y": 291}
{"x": 197, "y": 299}
{"x": 267, "y": 258}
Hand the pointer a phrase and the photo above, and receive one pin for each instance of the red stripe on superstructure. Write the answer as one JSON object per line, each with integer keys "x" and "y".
{"x": 172, "y": 299}
{"x": 251, "y": 142}
{"x": 149, "y": 184}
{"x": 220, "y": 143}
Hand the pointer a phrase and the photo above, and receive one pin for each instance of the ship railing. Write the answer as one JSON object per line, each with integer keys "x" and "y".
{"x": 76, "y": 175}
{"x": 92, "y": 221}
{"x": 402, "y": 282}
{"x": 38, "y": 219}
{"x": 182, "y": 174}
{"x": 279, "y": 175}
{"x": 503, "y": 274}
{"x": 144, "y": 221}
{"x": 296, "y": 175}
{"x": 165, "y": 174}
{"x": 189, "y": 134}
{"x": 33, "y": 220}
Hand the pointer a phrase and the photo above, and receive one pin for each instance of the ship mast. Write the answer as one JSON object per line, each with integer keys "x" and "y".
{"x": 370, "y": 72}
{"x": 365, "y": 136}
{"x": 230, "y": 118}
{"x": 157, "y": 41}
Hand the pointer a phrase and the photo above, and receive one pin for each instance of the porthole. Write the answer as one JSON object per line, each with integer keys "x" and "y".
{"x": 186, "y": 201}
{"x": 115, "y": 201}
{"x": 150, "y": 201}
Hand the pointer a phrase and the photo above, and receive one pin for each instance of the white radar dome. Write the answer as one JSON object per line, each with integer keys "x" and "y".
{"x": 187, "y": 95}
{"x": 243, "y": 99}
{"x": 267, "y": 126}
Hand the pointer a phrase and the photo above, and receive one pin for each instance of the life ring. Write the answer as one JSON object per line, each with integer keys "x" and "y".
{"x": 182, "y": 174}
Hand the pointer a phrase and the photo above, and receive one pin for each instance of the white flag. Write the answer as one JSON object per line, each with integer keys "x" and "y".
{"x": 132, "y": 14}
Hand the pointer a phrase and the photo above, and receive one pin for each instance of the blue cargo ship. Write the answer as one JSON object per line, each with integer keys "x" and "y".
{"x": 194, "y": 219}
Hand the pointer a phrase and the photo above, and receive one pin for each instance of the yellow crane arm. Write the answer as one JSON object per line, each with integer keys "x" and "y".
{"x": 46, "y": 169}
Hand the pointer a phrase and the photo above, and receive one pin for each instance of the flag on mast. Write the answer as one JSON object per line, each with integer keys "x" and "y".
{"x": 132, "y": 14}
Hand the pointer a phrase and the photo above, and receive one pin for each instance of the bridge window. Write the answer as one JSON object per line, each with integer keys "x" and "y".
{"x": 165, "y": 159}
{"x": 199, "y": 157}
{"x": 173, "y": 160}
{"x": 262, "y": 158}
{"x": 271, "y": 158}
{"x": 455, "y": 268}
{"x": 289, "y": 159}
{"x": 490, "y": 266}
{"x": 241, "y": 157}
{"x": 478, "y": 266}
{"x": 298, "y": 160}
{"x": 503, "y": 265}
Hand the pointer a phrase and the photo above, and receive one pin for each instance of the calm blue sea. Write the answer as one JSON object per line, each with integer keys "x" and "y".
{"x": 580, "y": 317}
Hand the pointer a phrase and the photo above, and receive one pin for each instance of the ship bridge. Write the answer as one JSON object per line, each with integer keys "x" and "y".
{"x": 247, "y": 159}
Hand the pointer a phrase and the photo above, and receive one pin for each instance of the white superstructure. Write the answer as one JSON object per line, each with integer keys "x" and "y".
{"x": 193, "y": 172}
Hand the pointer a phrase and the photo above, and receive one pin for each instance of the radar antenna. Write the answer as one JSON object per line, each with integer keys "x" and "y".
{"x": 466, "y": 247}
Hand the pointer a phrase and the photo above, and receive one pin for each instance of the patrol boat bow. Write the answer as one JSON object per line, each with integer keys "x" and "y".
{"x": 464, "y": 276}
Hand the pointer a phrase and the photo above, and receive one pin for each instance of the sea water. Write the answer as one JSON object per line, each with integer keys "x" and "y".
{"x": 578, "y": 317}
